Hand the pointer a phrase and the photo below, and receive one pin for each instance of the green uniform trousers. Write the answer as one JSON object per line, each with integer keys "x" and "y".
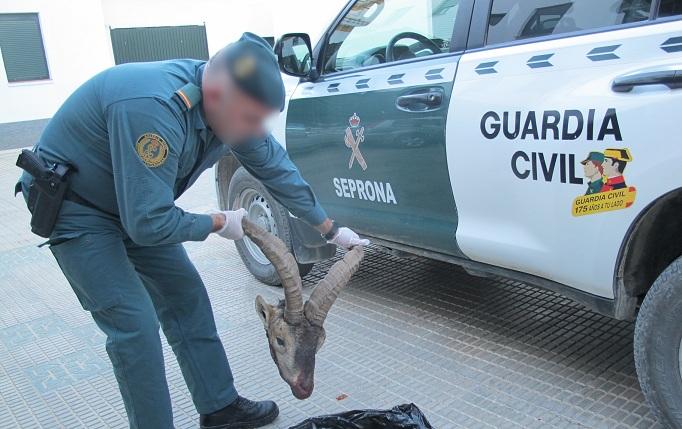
{"x": 129, "y": 289}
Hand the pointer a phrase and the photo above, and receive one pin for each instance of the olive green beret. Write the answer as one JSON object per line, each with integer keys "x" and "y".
{"x": 253, "y": 65}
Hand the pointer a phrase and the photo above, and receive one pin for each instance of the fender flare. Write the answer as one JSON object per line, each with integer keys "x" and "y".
{"x": 637, "y": 264}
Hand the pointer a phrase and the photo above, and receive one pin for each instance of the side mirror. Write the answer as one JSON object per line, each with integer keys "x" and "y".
{"x": 294, "y": 54}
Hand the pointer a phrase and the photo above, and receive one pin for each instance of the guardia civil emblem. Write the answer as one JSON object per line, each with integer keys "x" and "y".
{"x": 355, "y": 134}
{"x": 244, "y": 66}
{"x": 152, "y": 149}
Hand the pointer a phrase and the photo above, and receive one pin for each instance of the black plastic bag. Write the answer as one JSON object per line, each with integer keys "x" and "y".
{"x": 406, "y": 416}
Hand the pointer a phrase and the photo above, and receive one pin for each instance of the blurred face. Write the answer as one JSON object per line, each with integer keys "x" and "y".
{"x": 233, "y": 115}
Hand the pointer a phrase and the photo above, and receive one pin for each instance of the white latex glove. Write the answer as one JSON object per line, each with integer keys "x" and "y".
{"x": 232, "y": 230}
{"x": 347, "y": 238}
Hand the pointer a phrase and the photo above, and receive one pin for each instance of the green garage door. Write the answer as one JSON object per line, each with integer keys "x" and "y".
{"x": 159, "y": 43}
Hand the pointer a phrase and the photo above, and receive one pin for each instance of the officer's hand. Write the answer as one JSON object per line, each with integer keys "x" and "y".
{"x": 232, "y": 230}
{"x": 347, "y": 238}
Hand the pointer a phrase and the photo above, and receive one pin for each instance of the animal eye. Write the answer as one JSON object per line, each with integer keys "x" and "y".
{"x": 280, "y": 342}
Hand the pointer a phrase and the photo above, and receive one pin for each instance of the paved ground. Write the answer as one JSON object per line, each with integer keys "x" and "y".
{"x": 469, "y": 352}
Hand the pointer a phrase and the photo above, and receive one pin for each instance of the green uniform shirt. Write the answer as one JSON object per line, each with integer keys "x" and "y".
{"x": 594, "y": 187}
{"x": 138, "y": 146}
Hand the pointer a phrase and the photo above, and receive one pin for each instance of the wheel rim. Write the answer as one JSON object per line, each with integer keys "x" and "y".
{"x": 260, "y": 213}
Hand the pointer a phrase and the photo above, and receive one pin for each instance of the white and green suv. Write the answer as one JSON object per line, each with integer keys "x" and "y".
{"x": 539, "y": 140}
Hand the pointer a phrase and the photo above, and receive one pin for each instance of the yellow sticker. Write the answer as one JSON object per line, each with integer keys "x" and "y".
{"x": 152, "y": 149}
{"x": 616, "y": 199}
{"x": 606, "y": 188}
{"x": 244, "y": 66}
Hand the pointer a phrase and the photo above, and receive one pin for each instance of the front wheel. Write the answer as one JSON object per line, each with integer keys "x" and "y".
{"x": 658, "y": 346}
{"x": 248, "y": 193}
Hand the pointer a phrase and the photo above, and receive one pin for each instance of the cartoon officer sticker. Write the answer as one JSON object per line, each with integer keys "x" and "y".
{"x": 615, "y": 161}
{"x": 594, "y": 172}
{"x": 606, "y": 188}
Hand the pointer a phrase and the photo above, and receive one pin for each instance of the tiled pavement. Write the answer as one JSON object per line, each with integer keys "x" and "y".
{"x": 470, "y": 352}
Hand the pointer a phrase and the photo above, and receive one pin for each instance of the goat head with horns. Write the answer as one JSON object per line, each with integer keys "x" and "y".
{"x": 295, "y": 330}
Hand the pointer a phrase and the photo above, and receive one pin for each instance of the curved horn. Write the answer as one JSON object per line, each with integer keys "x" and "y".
{"x": 277, "y": 253}
{"x": 327, "y": 290}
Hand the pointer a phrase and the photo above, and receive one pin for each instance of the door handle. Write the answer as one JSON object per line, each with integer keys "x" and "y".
{"x": 672, "y": 78}
{"x": 421, "y": 101}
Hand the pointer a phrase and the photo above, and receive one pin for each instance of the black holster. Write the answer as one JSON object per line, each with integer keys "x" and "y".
{"x": 46, "y": 192}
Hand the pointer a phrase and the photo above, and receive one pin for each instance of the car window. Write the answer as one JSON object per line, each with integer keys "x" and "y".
{"x": 408, "y": 28}
{"x": 516, "y": 20}
{"x": 669, "y": 8}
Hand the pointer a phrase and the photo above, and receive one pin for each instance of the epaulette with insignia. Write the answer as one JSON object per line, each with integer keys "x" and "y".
{"x": 189, "y": 96}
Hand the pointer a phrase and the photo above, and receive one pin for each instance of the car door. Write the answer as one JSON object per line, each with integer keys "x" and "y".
{"x": 565, "y": 121}
{"x": 369, "y": 132}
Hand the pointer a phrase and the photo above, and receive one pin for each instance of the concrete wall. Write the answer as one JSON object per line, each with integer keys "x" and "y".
{"x": 78, "y": 44}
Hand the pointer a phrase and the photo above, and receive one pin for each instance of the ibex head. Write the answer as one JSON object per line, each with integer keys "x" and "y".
{"x": 295, "y": 330}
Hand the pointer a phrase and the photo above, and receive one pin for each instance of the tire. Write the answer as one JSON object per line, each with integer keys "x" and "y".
{"x": 658, "y": 342}
{"x": 245, "y": 191}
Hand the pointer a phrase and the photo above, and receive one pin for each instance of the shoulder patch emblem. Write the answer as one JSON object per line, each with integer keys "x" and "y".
{"x": 152, "y": 149}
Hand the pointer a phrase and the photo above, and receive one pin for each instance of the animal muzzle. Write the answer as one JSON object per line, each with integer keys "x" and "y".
{"x": 303, "y": 387}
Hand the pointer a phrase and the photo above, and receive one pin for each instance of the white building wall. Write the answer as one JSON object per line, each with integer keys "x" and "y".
{"x": 305, "y": 16}
{"x": 75, "y": 40}
{"x": 225, "y": 20}
{"x": 78, "y": 44}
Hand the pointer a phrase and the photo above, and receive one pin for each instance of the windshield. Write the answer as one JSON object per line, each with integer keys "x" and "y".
{"x": 362, "y": 36}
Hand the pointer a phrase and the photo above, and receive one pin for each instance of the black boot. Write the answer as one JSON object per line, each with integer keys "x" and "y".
{"x": 241, "y": 414}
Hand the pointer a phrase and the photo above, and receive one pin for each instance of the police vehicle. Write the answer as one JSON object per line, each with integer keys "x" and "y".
{"x": 536, "y": 139}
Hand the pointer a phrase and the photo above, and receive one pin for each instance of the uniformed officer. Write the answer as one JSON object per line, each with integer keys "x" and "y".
{"x": 139, "y": 135}
{"x": 594, "y": 171}
{"x": 615, "y": 161}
